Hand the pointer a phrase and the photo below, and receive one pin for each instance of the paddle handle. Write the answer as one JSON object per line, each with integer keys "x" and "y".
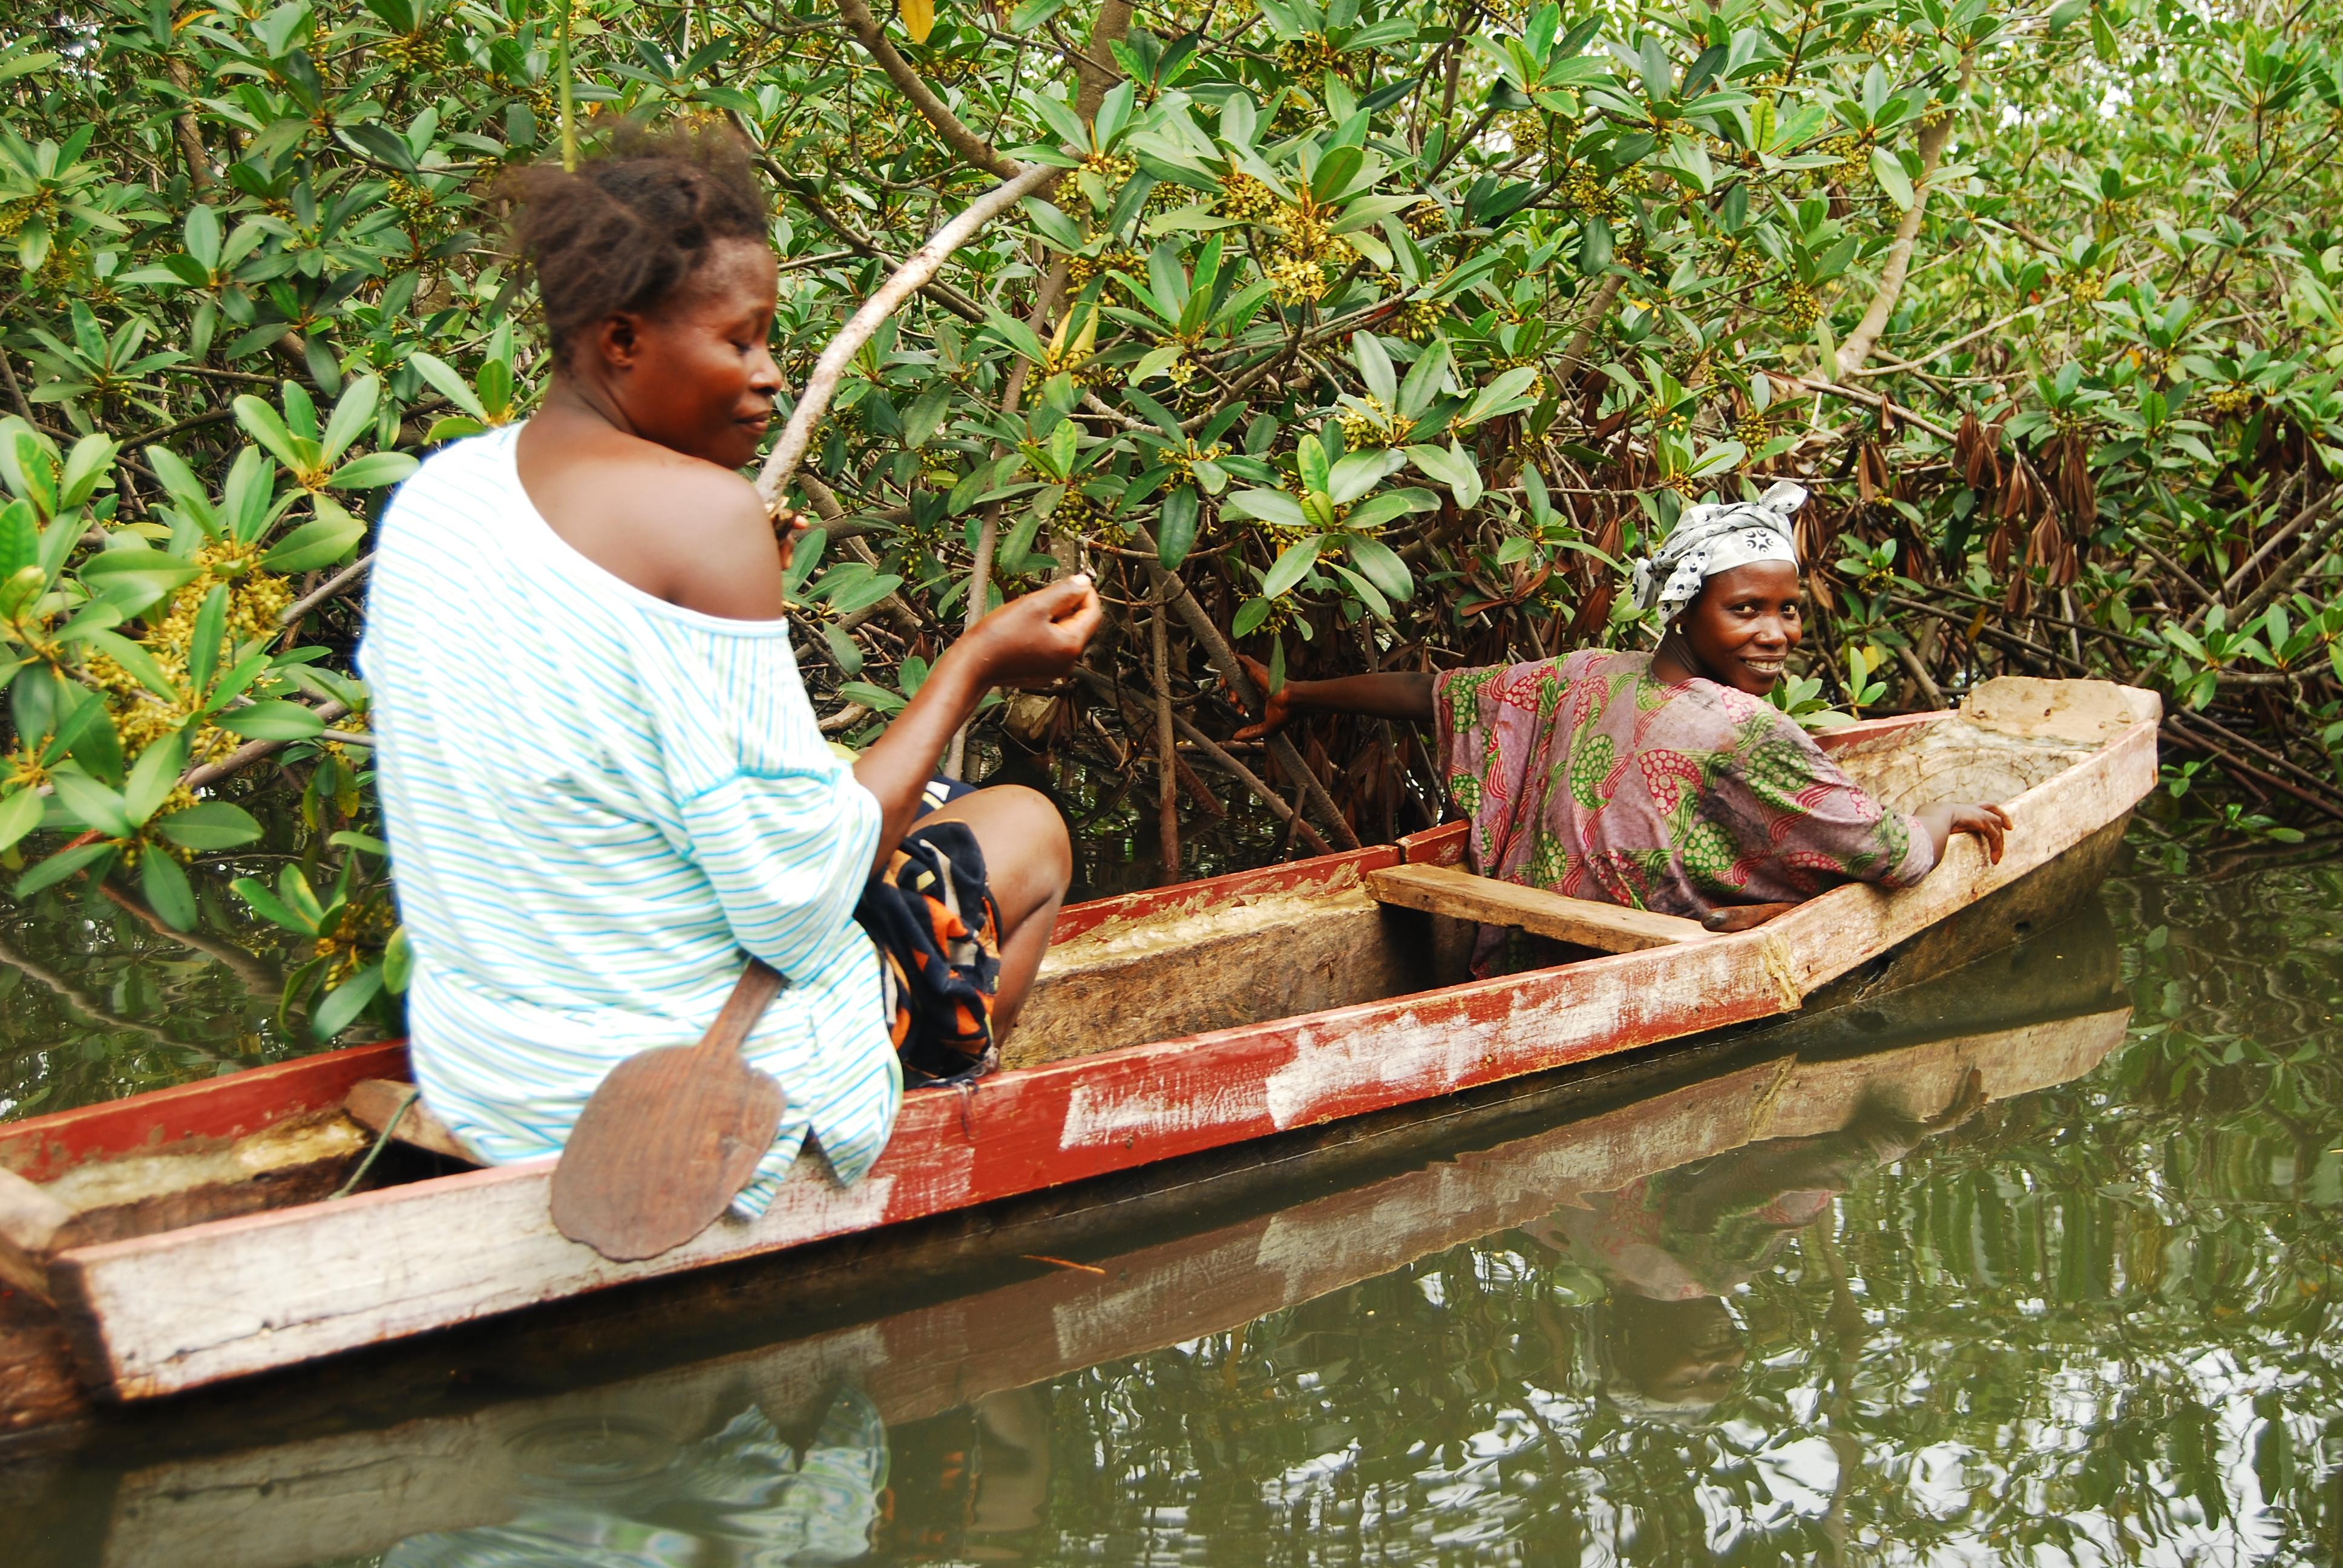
{"x": 757, "y": 987}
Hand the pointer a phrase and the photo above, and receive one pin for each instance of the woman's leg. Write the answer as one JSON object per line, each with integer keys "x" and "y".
{"x": 1027, "y": 863}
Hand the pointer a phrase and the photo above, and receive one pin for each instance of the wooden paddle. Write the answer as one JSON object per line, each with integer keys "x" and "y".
{"x": 671, "y": 1137}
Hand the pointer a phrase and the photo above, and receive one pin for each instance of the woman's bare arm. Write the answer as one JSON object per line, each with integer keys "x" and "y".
{"x": 1392, "y": 695}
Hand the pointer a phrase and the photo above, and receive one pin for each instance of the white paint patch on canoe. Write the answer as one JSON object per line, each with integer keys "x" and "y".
{"x": 1426, "y": 1051}
{"x": 811, "y": 1199}
{"x": 1099, "y": 1114}
{"x": 1424, "y": 1059}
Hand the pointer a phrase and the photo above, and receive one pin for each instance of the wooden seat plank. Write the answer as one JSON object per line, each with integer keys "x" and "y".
{"x": 1610, "y": 928}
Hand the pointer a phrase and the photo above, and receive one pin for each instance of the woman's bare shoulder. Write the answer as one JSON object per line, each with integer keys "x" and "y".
{"x": 672, "y": 525}
{"x": 719, "y": 556}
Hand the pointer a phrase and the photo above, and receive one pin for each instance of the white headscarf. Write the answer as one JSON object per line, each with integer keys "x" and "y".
{"x": 1713, "y": 538}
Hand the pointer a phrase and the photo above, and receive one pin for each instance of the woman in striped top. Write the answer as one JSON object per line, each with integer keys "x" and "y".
{"x": 601, "y": 777}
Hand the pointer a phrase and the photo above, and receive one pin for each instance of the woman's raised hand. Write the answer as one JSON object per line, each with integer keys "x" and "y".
{"x": 1276, "y": 706}
{"x": 1036, "y": 639}
{"x": 789, "y": 526}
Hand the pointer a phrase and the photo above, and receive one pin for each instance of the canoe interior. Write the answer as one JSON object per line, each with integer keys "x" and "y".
{"x": 1217, "y": 954}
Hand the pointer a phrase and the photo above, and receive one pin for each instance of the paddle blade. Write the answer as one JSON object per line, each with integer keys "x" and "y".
{"x": 666, "y": 1143}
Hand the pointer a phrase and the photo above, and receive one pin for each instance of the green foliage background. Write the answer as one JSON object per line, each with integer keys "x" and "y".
{"x": 1385, "y": 332}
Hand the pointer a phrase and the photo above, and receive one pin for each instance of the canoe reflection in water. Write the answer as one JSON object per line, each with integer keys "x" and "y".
{"x": 1671, "y": 1248}
{"x": 608, "y": 1494}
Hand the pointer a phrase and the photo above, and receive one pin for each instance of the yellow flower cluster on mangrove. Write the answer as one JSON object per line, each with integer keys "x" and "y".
{"x": 1853, "y": 155}
{"x": 1801, "y": 306}
{"x": 1585, "y": 191}
{"x": 254, "y": 600}
{"x": 1374, "y": 425}
{"x": 1081, "y": 269}
{"x": 1312, "y": 55}
{"x": 1182, "y": 463}
{"x": 15, "y": 214}
{"x": 1113, "y": 169}
{"x": 1245, "y": 199}
{"x": 409, "y": 52}
{"x": 1292, "y": 280}
{"x": 1419, "y": 319}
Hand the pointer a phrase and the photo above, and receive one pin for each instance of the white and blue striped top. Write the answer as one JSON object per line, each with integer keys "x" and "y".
{"x": 596, "y": 800}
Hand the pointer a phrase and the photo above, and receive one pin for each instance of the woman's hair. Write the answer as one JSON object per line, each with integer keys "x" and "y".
{"x": 634, "y": 222}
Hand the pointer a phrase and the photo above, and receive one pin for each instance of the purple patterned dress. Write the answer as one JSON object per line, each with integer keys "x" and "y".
{"x": 1586, "y": 776}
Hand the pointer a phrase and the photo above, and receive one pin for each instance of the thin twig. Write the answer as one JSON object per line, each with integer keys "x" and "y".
{"x": 331, "y": 587}
{"x": 1209, "y": 748}
{"x": 1226, "y": 665}
{"x": 822, "y": 384}
{"x": 1873, "y": 400}
{"x": 972, "y": 148}
{"x": 1166, "y": 796}
{"x": 250, "y": 752}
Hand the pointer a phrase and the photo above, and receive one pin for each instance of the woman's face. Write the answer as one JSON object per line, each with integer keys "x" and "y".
{"x": 695, "y": 375}
{"x": 1744, "y": 623}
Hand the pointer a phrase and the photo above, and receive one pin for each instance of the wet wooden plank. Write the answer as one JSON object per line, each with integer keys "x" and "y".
{"x": 1088, "y": 918}
{"x": 1244, "y": 952}
{"x": 1605, "y": 928}
{"x": 381, "y": 1104}
{"x": 1849, "y": 926}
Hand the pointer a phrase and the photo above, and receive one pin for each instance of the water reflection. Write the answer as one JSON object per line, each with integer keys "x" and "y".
{"x": 1672, "y": 1248}
{"x": 2036, "y": 1267}
{"x": 613, "y": 1493}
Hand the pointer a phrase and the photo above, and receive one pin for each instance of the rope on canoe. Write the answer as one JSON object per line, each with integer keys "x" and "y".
{"x": 381, "y": 1139}
{"x": 1775, "y": 954}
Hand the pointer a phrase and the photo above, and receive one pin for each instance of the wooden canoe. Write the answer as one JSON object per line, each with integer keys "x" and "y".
{"x": 254, "y": 1486}
{"x": 185, "y": 1237}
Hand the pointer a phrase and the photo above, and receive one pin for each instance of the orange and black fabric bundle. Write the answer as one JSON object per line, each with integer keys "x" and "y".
{"x": 938, "y": 936}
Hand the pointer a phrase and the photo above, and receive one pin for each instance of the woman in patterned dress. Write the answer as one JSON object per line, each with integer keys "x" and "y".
{"x": 1661, "y": 780}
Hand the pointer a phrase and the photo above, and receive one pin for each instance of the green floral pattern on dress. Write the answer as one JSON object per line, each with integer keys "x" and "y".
{"x": 1549, "y": 859}
{"x": 1590, "y": 766}
{"x": 1462, "y": 691}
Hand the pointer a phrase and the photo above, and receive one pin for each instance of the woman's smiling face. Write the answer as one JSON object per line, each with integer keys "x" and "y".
{"x": 1744, "y": 623}
{"x": 697, "y": 374}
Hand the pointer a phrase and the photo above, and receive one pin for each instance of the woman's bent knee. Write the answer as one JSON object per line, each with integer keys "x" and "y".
{"x": 1026, "y": 845}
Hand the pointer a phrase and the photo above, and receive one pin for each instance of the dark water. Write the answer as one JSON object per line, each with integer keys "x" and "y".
{"x": 2038, "y": 1270}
